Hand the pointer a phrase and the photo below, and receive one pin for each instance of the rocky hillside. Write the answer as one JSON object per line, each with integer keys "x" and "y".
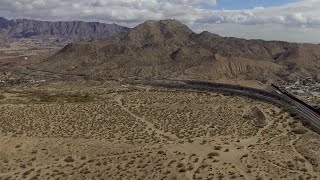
{"x": 169, "y": 49}
{"x": 76, "y": 30}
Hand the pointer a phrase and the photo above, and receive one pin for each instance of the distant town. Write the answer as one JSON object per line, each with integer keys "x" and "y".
{"x": 307, "y": 89}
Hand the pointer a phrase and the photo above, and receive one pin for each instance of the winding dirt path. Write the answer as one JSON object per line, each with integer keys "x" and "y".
{"x": 308, "y": 165}
{"x": 118, "y": 99}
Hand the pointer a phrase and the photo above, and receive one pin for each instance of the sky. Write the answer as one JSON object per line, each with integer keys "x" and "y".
{"x": 288, "y": 20}
{"x": 247, "y": 4}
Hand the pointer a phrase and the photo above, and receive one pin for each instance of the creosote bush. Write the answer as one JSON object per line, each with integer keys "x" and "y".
{"x": 2, "y": 97}
{"x": 299, "y": 131}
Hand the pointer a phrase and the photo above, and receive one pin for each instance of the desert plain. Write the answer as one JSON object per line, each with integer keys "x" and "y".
{"x": 109, "y": 130}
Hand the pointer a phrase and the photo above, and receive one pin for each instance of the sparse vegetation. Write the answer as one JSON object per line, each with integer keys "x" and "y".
{"x": 69, "y": 159}
{"x": 213, "y": 154}
{"x": 299, "y": 131}
{"x": 69, "y": 98}
{"x": 81, "y": 98}
{"x": 217, "y": 148}
{"x": 47, "y": 98}
{"x": 2, "y": 97}
{"x": 134, "y": 134}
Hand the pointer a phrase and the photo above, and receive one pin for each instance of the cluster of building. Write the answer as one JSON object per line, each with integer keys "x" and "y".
{"x": 306, "y": 89}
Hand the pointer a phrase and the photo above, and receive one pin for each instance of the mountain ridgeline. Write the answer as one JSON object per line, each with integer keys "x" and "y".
{"x": 169, "y": 49}
{"x": 75, "y": 30}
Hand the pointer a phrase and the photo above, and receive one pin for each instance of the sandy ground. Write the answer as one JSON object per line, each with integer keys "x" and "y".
{"x": 107, "y": 131}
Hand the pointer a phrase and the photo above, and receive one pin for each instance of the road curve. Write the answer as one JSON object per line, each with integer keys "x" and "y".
{"x": 309, "y": 115}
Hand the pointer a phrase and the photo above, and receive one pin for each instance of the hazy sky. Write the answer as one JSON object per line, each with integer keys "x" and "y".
{"x": 290, "y": 20}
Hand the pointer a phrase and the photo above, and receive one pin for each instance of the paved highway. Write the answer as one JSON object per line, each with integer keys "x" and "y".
{"x": 309, "y": 113}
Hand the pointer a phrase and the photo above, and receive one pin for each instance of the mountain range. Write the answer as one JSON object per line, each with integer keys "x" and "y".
{"x": 170, "y": 49}
{"x": 75, "y": 30}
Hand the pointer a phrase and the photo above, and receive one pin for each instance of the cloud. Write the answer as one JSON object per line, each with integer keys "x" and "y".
{"x": 300, "y": 15}
{"x": 264, "y": 31}
{"x": 193, "y": 2}
{"x": 304, "y": 12}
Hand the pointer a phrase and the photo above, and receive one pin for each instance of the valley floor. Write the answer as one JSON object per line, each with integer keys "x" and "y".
{"x": 88, "y": 130}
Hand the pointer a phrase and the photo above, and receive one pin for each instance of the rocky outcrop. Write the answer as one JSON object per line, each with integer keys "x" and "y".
{"x": 256, "y": 116}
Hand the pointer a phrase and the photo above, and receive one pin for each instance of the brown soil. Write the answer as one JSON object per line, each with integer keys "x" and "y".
{"x": 78, "y": 130}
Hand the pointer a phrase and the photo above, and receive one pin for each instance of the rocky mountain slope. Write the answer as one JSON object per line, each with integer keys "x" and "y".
{"x": 169, "y": 49}
{"x": 76, "y": 30}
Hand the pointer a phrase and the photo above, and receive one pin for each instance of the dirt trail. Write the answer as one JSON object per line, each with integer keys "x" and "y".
{"x": 191, "y": 148}
{"x": 191, "y": 174}
{"x": 142, "y": 119}
{"x": 253, "y": 140}
{"x": 308, "y": 165}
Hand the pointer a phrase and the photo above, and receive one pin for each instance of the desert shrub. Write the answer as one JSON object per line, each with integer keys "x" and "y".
{"x": 179, "y": 165}
{"x": 300, "y": 159}
{"x": 83, "y": 157}
{"x": 85, "y": 171}
{"x": 293, "y": 114}
{"x": 82, "y": 98}
{"x": 300, "y": 131}
{"x": 190, "y": 167}
{"x": 161, "y": 152}
{"x": 69, "y": 159}
{"x": 47, "y": 98}
{"x": 34, "y": 152}
{"x": 246, "y": 117}
{"x": 233, "y": 177}
{"x": 290, "y": 165}
{"x": 2, "y": 97}
{"x": 215, "y": 160}
{"x": 43, "y": 97}
{"x": 304, "y": 170}
{"x": 26, "y": 173}
{"x": 220, "y": 176}
{"x": 203, "y": 142}
{"x": 212, "y": 154}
